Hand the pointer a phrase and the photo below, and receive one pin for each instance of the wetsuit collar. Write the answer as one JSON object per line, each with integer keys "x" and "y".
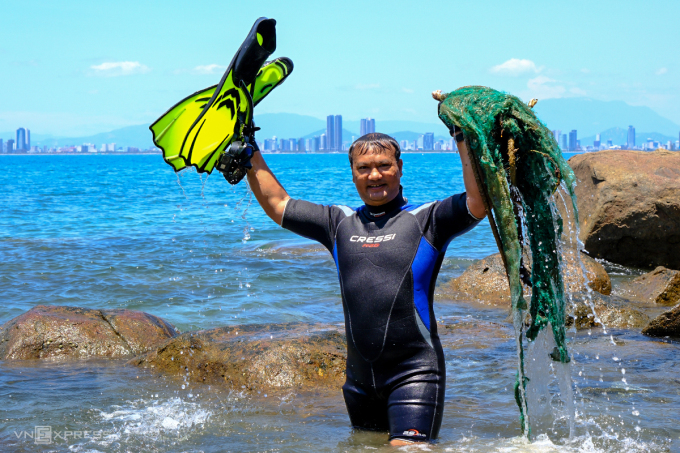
{"x": 376, "y": 212}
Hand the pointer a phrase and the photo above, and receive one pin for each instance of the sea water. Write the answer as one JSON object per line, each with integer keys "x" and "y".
{"x": 126, "y": 232}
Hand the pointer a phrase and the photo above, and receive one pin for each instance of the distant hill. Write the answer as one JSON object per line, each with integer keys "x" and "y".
{"x": 590, "y": 117}
{"x": 139, "y": 136}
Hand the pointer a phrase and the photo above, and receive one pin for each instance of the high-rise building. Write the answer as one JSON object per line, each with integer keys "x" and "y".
{"x": 371, "y": 125}
{"x": 367, "y": 126}
{"x": 21, "y": 139}
{"x": 301, "y": 145}
{"x": 573, "y": 138}
{"x": 557, "y": 133}
{"x": 362, "y": 127}
{"x": 596, "y": 143}
{"x": 337, "y": 129}
{"x": 428, "y": 141}
{"x": 2, "y": 146}
{"x": 630, "y": 144}
{"x": 403, "y": 144}
{"x": 564, "y": 144}
{"x": 28, "y": 139}
{"x": 323, "y": 143}
{"x": 330, "y": 132}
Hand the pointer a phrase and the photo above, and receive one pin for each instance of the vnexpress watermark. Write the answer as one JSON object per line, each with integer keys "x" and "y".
{"x": 45, "y": 435}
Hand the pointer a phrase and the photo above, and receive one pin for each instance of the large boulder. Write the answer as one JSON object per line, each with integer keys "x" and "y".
{"x": 255, "y": 357}
{"x": 485, "y": 281}
{"x": 666, "y": 324}
{"x": 629, "y": 206}
{"x": 59, "y": 332}
{"x": 661, "y": 286}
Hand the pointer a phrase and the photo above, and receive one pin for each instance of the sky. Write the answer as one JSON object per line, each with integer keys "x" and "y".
{"x": 80, "y": 67}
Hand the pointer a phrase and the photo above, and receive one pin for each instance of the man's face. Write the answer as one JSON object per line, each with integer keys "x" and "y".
{"x": 377, "y": 177}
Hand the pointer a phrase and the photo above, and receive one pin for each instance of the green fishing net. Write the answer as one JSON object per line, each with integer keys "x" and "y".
{"x": 519, "y": 166}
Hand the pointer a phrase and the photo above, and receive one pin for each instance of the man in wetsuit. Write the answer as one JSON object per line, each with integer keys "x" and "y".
{"x": 388, "y": 254}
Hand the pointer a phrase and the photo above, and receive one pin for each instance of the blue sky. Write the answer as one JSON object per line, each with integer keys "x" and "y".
{"x": 80, "y": 67}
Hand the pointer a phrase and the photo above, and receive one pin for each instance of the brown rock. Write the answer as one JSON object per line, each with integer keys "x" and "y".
{"x": 629, "y": 206}
{"x": 255, "y": 357}
{"x": 58, "y": 332}
{"x": 661, "y": 286}
{"x": 611, "y": 311}
{"x": 485, "y": 281}
{"x": 666, "y": 324}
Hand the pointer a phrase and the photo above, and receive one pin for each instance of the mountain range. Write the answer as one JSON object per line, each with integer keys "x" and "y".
{"x": 587, "y": 116}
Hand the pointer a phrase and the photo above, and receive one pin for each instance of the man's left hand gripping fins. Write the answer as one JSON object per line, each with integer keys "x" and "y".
{"x": 198, "y": 129}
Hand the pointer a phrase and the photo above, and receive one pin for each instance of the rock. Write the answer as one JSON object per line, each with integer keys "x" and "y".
{"x": 59, "y": 332}
{"x": 485, "y": 281}
{"x": 255, "y": 357}
{"x": 666, "y": 324}
{"x": 612, "y": 311}
{"x": 629, "y": 206}
{"x": 661, "y": 286}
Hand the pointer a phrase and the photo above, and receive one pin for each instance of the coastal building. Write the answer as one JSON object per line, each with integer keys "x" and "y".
{"x": 564, "y": 142}
{"x": 337, "y": 130}
{"x": 428, "y": 141}
{"x": 21, "y": 140}
{"x": 330, "y": 132}
{"x": 573, "y": 138}
{"x": 2, "y": 146}
{"x": 323, "y": 143}
{"x": 596, "y": 143}
{"x": 371, "y": 126}
{"x": 557, "y": 133}
{"x": 362, "y": 127}
{"x": 10, "y": 145}
{"x": 630, "y": 143}
{"x": 403, "y": 144}
{"x": 301, "y": 145}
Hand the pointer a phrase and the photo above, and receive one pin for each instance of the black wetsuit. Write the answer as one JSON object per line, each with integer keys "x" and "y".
{"x": 388, "y": 258}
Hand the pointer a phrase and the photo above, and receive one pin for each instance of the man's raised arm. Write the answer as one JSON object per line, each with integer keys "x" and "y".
{"x": 267, "y": 189}
{"x": 474, "y": 198}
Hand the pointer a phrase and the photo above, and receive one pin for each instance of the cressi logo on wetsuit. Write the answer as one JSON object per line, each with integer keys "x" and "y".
{"x": 387, "y": 265}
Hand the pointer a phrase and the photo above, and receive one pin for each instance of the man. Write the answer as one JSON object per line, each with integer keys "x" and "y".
{"x": 388, "y": 254}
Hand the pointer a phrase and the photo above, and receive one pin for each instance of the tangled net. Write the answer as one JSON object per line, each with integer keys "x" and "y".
{"x": 518, "y": 166}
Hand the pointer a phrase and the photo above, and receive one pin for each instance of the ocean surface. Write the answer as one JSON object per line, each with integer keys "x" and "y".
{"x": 127, "y": 232}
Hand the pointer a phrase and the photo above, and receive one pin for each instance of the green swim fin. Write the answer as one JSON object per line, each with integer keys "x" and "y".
{"x": 197, "y": 130}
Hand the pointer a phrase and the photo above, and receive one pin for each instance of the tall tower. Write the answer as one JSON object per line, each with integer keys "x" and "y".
{"x": 28, "y": 139}
{"x": 371, "y": 125}
{"x": 631, "y": 138}
{"x": 21, "y": 139}
{"x": 330, "y": 134}
{"x": 573, "y": 138}
{"x": 337, "y": 139}
{"x": 428, "y": 141}
{"x": 363, "y": 128}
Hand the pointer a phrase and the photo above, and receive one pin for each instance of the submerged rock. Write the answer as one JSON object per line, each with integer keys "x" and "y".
{"x": 666, "y": 324}
{"x": 629, "y": 206}
{"x": 485, "y": 281}
{"x": 612, "y": 311}
{"x": 59, "y": 332}
{"x": 661, "y": 286}
{"x": 255, "y": 357}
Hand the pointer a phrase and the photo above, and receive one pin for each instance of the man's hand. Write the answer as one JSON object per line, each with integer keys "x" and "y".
{"x": 267, "y": 189}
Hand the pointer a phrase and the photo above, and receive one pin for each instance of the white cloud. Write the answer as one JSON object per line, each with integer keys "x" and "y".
{"x": 662, "y": 71}
{"x": 407, "y": 90}
{"x": 585, "y": 71}
{"x": 209, "y": 69}
{"x": 543, "y": 87}
{"x": 515, "y": 67}
{"x": 119, "y": 68}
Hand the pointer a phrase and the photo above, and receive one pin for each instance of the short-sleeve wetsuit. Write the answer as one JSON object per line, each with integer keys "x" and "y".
{"x": 388, "y": 258}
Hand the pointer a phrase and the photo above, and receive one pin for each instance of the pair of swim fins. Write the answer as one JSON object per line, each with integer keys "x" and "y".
{"x": 198, "y": 129}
